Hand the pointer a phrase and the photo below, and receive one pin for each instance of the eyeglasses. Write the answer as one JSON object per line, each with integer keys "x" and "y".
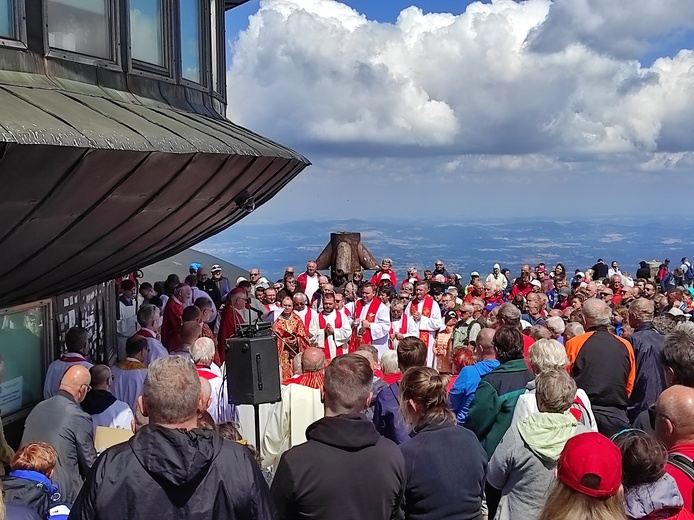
{"x": 89, "y": 388}
{"x": 255, "y": 274}
{"x": 439, "y": 265}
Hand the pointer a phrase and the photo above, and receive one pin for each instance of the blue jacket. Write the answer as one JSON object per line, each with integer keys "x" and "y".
{"x": 650, "y": 375}
{"x": 387, "y": 418}
{"x": 465, "y": 386}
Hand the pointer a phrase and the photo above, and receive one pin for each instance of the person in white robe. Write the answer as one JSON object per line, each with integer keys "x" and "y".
{"x": 330, "y": 329}
{"x": 299, "y": 407}
{"x": 221, "y": 411}
{"x": 372, "y": 320}
{"x": 77, "y": 345}
{"x": 305, "y": 312}
{"x": 402, "y": 325}
{"x": 102, "y": 405}
{"x": 129, "y": 374}
{"x": 126, "y": 325}
{"x": 426, "y": 313}
{"x": 149, "y": 320}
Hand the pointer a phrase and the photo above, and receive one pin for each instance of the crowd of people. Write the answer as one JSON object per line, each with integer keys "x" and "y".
{"x": 550, "y": 395}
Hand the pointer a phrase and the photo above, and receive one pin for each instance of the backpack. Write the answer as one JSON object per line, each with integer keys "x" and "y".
{"x": 689, "y": 273}
{"x": 682, "y": 463}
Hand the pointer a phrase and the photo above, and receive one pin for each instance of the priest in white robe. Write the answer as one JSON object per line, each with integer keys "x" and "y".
{"x": 371, "y": 323}
{"x": 426, "y": 313}
{"x": 330, "y": 329}
{"x": 149, "y": 319}
{"x": 129, "y": 374}
{"x": 202, "y": 352}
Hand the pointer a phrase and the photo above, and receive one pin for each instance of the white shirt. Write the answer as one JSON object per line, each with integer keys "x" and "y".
{"x": 118, "y": 415}
{"x": 57, "y": 369}
{"x": 311, "y": 285}
{"x": 220, "y": 409}
{"x": 431, "y": 324}
{"x": 380, "y": 327}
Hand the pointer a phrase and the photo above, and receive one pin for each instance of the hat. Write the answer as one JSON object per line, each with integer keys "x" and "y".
{"x": 236, "y": 291}
{"x": 385, "y": 277}
{"x": 240, "y": 279}
{"x": 215, "y": 268}
{"x": 583, "y": 285}
{"x": 537, "y": 283}
{"x": 564, "y": 291}
{"x": 450, "y": 315}
{"x": 436, "y": 291}
{"x": 496, "y": 266}
{"x": 676, "y": 312}
{"x": 591, "y": 454}
{"x": 582, "y": 275}
{"x": 490, "y": 307}
{"x": 474, "y": 273}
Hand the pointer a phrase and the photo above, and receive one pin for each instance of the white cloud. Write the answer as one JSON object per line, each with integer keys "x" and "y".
{"x": 526, "y": 93}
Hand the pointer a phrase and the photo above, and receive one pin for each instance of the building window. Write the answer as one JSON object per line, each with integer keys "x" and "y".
{"x": 215, "y": 41}
{"x": 147, "y": 31}
{"x": 81, "y": 26}
{"x": 7, "y": 27}
{"x": 23, "y": 343}
{"x": 191, "y": 40}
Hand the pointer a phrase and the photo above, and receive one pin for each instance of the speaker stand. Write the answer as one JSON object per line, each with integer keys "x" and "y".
{"x": 256, "y": 412}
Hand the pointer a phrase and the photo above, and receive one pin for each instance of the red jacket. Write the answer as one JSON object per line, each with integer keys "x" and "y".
{"x": 376, "y": 278}
{"x": 302, "y": 281}
{"x": 684, "y": 483}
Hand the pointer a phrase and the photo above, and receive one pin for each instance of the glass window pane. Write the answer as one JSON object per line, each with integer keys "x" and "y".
{"x": 215, "y": 44}
{"x": 6, "y": 19}
{"x": 82, "y": 26}
{"x": 146, "y": 31}
{"x": 22, "y": 338}
{"x": 191, "y": 44}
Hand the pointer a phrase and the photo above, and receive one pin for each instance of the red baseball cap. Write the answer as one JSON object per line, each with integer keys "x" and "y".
{"x": 591, "y": 454}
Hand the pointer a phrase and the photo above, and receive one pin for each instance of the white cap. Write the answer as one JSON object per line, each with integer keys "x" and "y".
{"x": 385, "y": 277}
{"x": 474, "y": 273}
{"x": 497, "y": 266}
{"x": 240, "y": 279}
{"x": 536, "y": 282}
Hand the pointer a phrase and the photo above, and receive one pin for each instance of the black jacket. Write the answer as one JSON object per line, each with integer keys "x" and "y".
{"x": 446, "y": 471}
{"x": 599, "y": 270}
{"x": 344, "y": 471}
{"x": 163, "y": 473}
{"x": 643, "y": 271}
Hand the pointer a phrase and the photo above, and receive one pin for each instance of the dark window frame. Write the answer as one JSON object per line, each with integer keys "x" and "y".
{"x": 115, "y": 63}
{"x": 20, "y": 27}
{"x": 143, "y": 68}
{"x": 219, "y": 90}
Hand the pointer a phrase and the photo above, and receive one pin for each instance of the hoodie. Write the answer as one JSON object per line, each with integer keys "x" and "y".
{"x": 659, "y": 499}
{"x": 167, "y": 473}
{"x": 523, "y": 465}
{"x": 344, "y": 470}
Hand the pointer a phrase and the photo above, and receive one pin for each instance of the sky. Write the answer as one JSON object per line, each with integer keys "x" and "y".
{"x": 459, "y": 110}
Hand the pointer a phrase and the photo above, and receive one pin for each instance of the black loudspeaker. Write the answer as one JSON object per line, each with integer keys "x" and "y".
{"x": 253, "y": 374}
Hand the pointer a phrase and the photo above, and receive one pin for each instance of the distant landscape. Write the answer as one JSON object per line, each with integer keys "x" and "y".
{"x": 463, "y": 246}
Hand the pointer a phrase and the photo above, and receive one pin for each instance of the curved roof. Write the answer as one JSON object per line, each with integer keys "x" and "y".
{"x": 97, "y": 182}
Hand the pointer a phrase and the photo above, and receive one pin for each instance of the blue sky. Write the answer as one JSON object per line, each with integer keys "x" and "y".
{"x": 492, "y": 100}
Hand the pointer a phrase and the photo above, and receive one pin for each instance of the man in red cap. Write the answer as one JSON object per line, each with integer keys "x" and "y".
{"x": 172, "y": 320}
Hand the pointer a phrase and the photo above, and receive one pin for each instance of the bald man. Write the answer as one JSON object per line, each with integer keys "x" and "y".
{"x": 61, "y": 423}
{"x": 300, "y": 407}
{"x": 674, "y": 427}
{"x": 102, "y": 405}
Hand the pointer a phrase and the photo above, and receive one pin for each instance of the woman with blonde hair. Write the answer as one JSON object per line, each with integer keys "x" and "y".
{"x": 589, "y": 481}
{"x": 445, "y": 463}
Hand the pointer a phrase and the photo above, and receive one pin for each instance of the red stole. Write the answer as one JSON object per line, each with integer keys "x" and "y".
{"x": 205, "y": 372}
{"x": 321, "y": 325}
{"x": 312, "y": 380}
{"x": 72, "y": 359}
{"x": 346, "y": 311}
{"x": 392, "y": 378}
{"x": 426, "y": 312}
{"x": 146, "y": 333}
{"x": 130, "y": 365}
{"x": 370, "y": 317}
{"x": 307, "y": 317}
{"x": 403, "y": 325}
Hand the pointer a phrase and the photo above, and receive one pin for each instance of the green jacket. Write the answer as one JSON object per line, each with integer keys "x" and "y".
{"x": 491, "y": 410}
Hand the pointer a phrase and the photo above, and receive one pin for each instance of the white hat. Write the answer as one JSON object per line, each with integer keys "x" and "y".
{"x": 581, "y": 274}
{"x": 536, "y": 282}
{"x": 474, "y": 273}
{"x": 497, "y": 266}
{"x": 240, "y": 279}
{"x": 385, "y": 277}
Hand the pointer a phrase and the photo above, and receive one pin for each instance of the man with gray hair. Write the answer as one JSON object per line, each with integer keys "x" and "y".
{"x": 510, "y": 315}
{"x": 556, "y": 326}
{"x": 202, "y": 352}
{"x": 148, "y": 319}
{"x": 603, "y": 365}
{"x": 170, "y": 468}
{"x": 647, "y": 343}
